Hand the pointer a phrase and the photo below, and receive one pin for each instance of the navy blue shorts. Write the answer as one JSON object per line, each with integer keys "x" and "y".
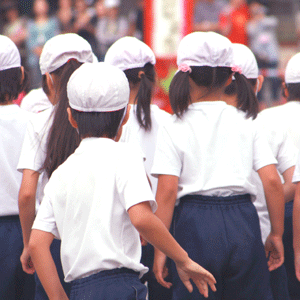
{"x": 279, "y": 284}
{"x": 293, "y": 283}
{"x": 116, "y": 284}
{"x": 14, "y": 282}
{"x": 222, "y": 234}
{"x": 40, "y": 293}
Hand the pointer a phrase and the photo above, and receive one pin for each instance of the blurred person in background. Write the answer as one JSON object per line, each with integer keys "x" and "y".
{"x": 207, "y": 14}
{"x": 40, "y": 29}
{"x": 100, "y": 14}
{"x": 85, "y": 22}
{"x": 264, "y": 44}
{"x": 136, "y": 21}
{"x": 65, "y": 15}
{"x": 111, "y": 27}
{"x": 15, "y": 27}
{"x": 233, "y": 19}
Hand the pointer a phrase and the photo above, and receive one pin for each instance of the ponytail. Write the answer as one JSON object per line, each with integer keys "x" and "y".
{"x": 63, "y": 138}
{"x": 246, "y": 99}
{"x": 179, "y": 93}
{"x": 145, "y": 92}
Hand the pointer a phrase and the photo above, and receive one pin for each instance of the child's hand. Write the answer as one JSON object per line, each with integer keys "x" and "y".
{"x": 274, "y": 251}
{"x": 201, "y": 277}
{"x": 26, "y": 261}
{"x": 160, "y": 270}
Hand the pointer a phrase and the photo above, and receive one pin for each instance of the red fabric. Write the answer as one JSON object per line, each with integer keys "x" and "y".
{"x": 236, "y": 20}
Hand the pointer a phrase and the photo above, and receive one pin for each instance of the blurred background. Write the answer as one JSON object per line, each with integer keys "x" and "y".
{"x": 271, "y": 28}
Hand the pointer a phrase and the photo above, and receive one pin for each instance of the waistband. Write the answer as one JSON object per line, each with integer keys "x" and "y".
{"x": 214, "y": 200}
{"x": 9, "y": 218}
{"x": 106, "y": 274}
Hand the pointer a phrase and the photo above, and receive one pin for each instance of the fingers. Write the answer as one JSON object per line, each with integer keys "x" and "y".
{"x": 161, "y": 281}
{"x": 275, "y": 261}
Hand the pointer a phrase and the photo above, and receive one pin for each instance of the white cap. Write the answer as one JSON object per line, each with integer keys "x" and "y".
{"x": 205, "y": 49}
{"x": 245, "y": 59}
{"x": 63, "y": 47}
{"x": 129, "y": 53}
{"x": 98, "y": 87}
{"x": 292, "y": 71}
{"x": 111, "y": 3}
{"x": 9, "y": 54}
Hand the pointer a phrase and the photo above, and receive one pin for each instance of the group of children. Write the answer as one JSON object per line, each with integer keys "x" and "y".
{"x": 102, "y": 160}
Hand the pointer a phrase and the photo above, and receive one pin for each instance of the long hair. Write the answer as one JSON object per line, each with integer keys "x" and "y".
{"x": 144, "y": 95}
{"x": 63, "y": 139}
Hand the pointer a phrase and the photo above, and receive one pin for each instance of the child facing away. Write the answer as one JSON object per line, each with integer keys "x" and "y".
{"x": 99, "y": 200}
{"x": 203, "y": 160}
{"x": 15, "y": 284}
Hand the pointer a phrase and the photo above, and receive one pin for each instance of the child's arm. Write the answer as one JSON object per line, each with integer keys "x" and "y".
{"x": 166, "y": 195}
{"x": 289, "y": 187}
{"x": 151, "y": 227}
{"x": 39, "y": 247}
{"x": 275, "y": 201}
{"x": 27, "y": 214}
{"x": 296, "y": 230}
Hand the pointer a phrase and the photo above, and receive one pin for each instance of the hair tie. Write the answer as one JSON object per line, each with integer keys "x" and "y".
{"x": 236, "y": 69}
{"x": 72, "y": 59}
{"x": 184, "y": 68}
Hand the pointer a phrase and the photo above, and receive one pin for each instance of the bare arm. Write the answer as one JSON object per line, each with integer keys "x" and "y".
{"x": 152, "y": 228}
{"x": 275, "y": 201}
{"x": 27, "y": 200}
{"x": 289, "y": 187}
{"x": 39, "y": 246}
{"x": 296, "y": 230}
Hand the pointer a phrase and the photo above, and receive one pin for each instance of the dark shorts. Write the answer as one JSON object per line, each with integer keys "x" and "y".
{"x": 14, "y": 283}
{"x": 116, "y": 284}
{"x": 222, "y": 234}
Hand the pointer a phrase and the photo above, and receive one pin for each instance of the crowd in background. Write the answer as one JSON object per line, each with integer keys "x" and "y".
{"x": 101, "y": 23}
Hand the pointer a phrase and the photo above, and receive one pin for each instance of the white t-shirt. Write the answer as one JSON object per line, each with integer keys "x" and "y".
{"x": 286, "y": 154}
{"x": 286, "y": 116}
{"x": 36, "y": 101}
{"x": 296, "y": 177}
{"x": 133, "y": 132}
{"x": 33, "y": 152}
{"x": 212, "y": 149}
{"x": 13, "y": 123}
{"x": 85, "y": 205}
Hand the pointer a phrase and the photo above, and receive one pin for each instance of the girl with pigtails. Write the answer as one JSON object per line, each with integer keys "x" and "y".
{"x": 137, "y": 61}
{"x": 203, "y": 161}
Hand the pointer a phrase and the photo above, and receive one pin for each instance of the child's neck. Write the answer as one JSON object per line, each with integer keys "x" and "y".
{"x": 204, "y": 94}
{"x": 230, "y": 100}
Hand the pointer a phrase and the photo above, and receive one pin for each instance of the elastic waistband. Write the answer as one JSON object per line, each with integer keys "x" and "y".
{"x": 106, "y": 274}
{"x": 9, "y": 218}
{"x": 213, "y": 200}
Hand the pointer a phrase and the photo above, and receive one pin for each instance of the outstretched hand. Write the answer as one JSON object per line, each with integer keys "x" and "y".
{"x": 201, "y": 277}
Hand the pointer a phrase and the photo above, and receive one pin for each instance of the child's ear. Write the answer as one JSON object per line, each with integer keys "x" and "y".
{"x": 259, "y": 82}
{"x": 71, "y": 119}
{"x": 285, "y": 91}
{"x": 127, "y": 115}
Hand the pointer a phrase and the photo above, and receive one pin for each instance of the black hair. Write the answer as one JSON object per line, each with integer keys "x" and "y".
{"x": 294, "y": 91}
{"x": 63, "y": 138}
{"x": 98, "y": 124}
{"x": 246, "y": 100}
{"x": 212, "y": 79}
{"x": 11, "y": 84}
{"x": 144, "y": 95}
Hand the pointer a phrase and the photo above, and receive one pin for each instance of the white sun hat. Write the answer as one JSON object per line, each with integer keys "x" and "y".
{"x": 98, "y": 87}
{"x": 9, "y": 54}
{"x": 292, "y": 71}
{"x": 129, "y": 53}
{"x": 205, "y": 49}
{"x": 245, "y": 60}
{"x": 62, "y": 48}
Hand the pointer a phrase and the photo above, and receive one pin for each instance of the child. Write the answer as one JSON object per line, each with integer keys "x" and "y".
{"x": 282, "y": 149}
{"x": 204, "y": 160}
{"x": 15, "y": 284}
{"x": 287, "y": 116}
{"x": 49, "y": 139}
{"x": 137, "y": 61}
{"x": 94, "y": 200}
